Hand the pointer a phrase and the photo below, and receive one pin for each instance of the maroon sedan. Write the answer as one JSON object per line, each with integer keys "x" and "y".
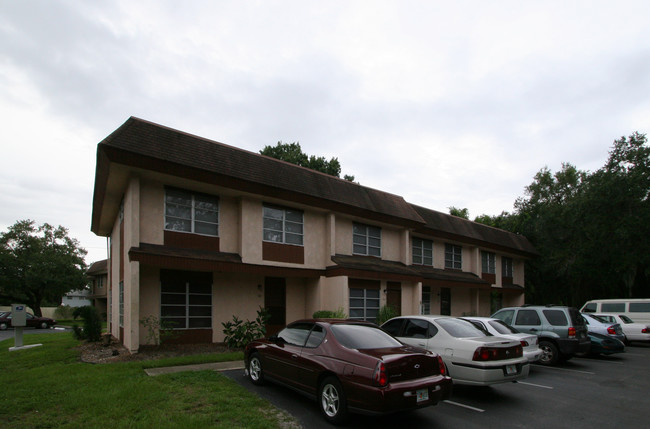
{"x": 31, "y": 320}
{"x": 349, "y": 365}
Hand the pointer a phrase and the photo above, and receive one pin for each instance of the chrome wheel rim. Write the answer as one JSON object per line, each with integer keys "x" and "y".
{"x": 255, "y": 369}
{"x": 330, "y": 400}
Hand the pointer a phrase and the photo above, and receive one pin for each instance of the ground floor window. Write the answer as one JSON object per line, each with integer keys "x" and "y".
{"x": 121, "y": 304}
{"x": 186, "y": 299}
{"x": 364, "y": 304}
{"x": 426, "y": 300}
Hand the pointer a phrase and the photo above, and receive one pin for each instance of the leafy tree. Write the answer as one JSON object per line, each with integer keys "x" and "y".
{"x": 292, "y": 152}
{"x": 39, "y": 264}
{"x": 455, "y": 211}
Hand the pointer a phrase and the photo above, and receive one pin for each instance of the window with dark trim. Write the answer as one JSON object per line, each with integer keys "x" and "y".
{"x": 366, "y": 240}
{"x": 186, "y": 299}
{"x": 453, "y": 256}
{"x": 121, "y": 298}
{"x": 422, "y": 250}
{"x": 488, "y": 262}
{"x": 364, "y": 304}
{"x": 506, "y": 266}
{"x": 283, "y": 225}
{"x": 191, "y": 212}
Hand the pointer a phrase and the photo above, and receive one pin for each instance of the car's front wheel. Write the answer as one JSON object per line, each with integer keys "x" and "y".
{"x": 332, "y": 402}
{"x": 3, "y": 326}
{"x": 255, "y": 371}
{"x": 44, "y": 325}
{"x": 550, "y": 353}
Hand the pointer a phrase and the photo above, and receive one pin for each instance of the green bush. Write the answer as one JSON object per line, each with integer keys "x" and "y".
{"x": 63, "y": 312}
{"x": 329, "y": 314}
{"x": 386, "y": 313}
{"x": 92, "y": 326}
{"x": 239, "y": 333}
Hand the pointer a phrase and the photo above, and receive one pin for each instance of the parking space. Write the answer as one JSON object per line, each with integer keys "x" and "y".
{"x": 602, "y": 391}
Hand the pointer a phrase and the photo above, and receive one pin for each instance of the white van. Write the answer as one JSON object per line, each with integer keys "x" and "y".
{"x": 636, "y": 309}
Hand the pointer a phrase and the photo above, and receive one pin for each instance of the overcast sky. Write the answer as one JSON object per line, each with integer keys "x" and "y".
{"x": 446, "y": 103}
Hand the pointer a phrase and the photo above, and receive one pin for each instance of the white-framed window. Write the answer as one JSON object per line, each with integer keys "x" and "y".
{"x": 422, "y": 251}
{"x": 426, "y": 300}
{"x": 283, "y": 225}
{"x": 366, "y": 240}
{"x": 506, "y": 266}
{"x": 488, "y": 262}
{"x": 453, "y": 256}
{"x": 364, "y": 304}
{"x": 191, "y": 212}
{"x": 186, "y": 299}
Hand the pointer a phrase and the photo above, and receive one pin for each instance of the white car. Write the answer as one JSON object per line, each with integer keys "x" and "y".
{"x": 471, "y": 356}
{"x": 633, "y": 331}
{"x": 497, "y": 327}
{"x": 603, "y": 327}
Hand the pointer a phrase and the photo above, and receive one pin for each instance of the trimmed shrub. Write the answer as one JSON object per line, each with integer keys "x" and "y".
{"x": 92, "y": 326}
{"x": 386, "y": 313}
{"x": 328, "y": 314}
{"x": 239, "y": 333}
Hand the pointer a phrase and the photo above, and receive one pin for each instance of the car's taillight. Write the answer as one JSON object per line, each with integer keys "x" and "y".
{"x": 379, "y": 376}
{"x": 645, "y": 330}
{"x": 572, "y": 332}
{"x": 497, "y": 353}
{"x": 524, "y": 343}
{"x": 611, "y": 330}
{"x": 441, "y": 365}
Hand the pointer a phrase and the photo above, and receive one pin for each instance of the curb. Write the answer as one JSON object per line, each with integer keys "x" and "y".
{"x": 216, "y": 366}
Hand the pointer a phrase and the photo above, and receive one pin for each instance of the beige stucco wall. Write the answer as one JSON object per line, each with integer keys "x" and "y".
{"x": 149, "y": 299}
{"x": 235, "y": 294}
{"x": 152, "y": 212}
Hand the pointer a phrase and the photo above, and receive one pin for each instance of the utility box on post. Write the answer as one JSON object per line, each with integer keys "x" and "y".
{"x": 18, "y": 315}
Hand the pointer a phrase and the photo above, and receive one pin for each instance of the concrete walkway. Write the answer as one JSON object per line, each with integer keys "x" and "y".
{"x": 216, "y": 366}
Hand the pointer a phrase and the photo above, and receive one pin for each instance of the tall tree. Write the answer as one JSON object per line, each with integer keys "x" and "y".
{"x": 39, "y": 264}
{"x": 292, "y": 152}
{"x": 455, "y": 211}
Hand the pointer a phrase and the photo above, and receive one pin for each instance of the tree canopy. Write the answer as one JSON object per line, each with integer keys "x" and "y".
{"x": 292, "y": 152}
{"x": 39, "y": 264}
{"x": 591, "y": 229}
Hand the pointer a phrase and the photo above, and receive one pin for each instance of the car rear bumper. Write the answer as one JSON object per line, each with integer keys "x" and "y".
{"x": 533, "y": 355}
{"x": 398, "y": 396}
{"x": 474, "y": 374}
{"x": 571, "y": 346}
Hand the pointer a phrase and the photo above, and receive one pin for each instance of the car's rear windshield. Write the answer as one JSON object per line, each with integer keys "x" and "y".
{"x": 362, "y": 337}
{"x": 576, "y": 317}
{"x": 502, "y": 328}
{"x": 460, "y": 328}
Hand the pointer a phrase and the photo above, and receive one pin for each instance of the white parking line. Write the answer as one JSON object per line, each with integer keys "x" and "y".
{"x": 464, "y": 406}
{"x": 565, "y": 369}
{"x": 535, "y": 385}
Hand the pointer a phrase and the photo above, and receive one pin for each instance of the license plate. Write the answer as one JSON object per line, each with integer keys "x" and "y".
{"x": 511, "y": 369}
{"x": 422, "y": 395}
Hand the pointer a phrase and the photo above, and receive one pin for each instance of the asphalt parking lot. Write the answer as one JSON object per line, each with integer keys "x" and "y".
{"x": 603, "y": 391}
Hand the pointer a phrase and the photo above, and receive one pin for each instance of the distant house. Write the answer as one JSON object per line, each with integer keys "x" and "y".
{"x": 201, "y": 231}
{"x": 98, "y": 281}
{"x": 76, "y": 298}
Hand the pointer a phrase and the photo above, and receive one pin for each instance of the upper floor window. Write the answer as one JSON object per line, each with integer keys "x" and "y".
{"x": 422, "y": 252}
{"x": 283, "y": 225}
{"x": 506, "y": 265}
{"x": 489, "y": 262}
{"x": 189, "y": 212}
{"x": 366, "y": 240}
{"x": 453, "y": 256}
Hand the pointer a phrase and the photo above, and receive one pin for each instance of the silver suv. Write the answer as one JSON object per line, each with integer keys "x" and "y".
{"x": 561, "y": 330}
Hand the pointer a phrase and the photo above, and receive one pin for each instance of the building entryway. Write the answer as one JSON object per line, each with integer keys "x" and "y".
{"x": 275, "y": 301}
{"x": 394, "y": 296}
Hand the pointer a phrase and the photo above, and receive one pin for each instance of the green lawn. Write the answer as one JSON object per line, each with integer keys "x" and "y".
{"x": 49, "y": 387}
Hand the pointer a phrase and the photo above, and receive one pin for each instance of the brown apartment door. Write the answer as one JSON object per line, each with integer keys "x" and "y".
{"x": 445, "y": 301}
{"x": 275, "y": 289}
{"x": 394, "y": 296}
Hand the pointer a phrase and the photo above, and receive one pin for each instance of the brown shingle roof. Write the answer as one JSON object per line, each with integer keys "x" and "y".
{"x": 456, "y": 228}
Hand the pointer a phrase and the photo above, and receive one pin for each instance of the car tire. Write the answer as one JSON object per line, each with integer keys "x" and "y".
{"x": 550, "y": 355}
{"x": 3, "y": 326}
{"x": 332, "y": 401}
{"x": 255, "y": 371}
{"x": 44, "y": 325}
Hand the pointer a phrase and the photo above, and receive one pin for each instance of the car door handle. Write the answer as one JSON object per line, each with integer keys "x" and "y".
{"x": 294, "y": 356}
{"x": 533, "y": 330}
{"x": 422, "y": 344}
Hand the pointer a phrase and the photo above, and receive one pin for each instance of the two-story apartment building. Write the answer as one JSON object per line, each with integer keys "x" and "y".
{"x": 201, "y": 231}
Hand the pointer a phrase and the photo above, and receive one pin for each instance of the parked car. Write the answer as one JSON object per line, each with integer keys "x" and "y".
{"x": 562, "y": 331}
{"x": 632, "y": 331}
{"x": 31, "y": 320}
{"x": 604, "y": 344}
{"x": 349, "y": 366}
{"x": 497, "y": 327}
{"x": 602, "y": 327}
{"x": 471, "y": 355}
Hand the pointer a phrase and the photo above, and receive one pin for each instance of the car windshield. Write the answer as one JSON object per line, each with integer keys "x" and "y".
{"x": 460, "y": 328}
{"x": 502, "y": 328}
{"x": 362, "y": 337}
